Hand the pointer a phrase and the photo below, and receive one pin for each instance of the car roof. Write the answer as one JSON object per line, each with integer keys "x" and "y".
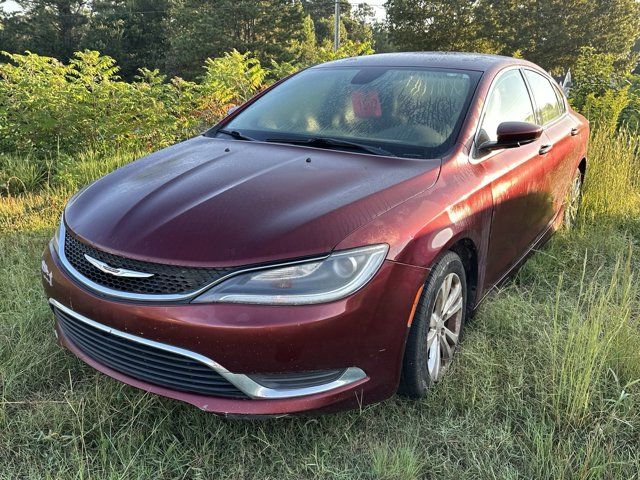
{"x": 456, "y": 60}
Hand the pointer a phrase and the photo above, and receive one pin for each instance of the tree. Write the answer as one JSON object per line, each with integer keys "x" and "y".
{"x": 436, "y": 25}
{"x": 600, "y": 91}
{"x": 200, "y": 29}
{"x": 553, "y": 32}
{"x": 354, "y": 22}
{"x": 131, "y": 31}
{"x": 48, "y": 27}
{"x": 548, "y": 32}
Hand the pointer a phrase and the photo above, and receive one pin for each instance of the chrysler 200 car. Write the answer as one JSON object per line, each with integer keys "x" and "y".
{"x": 322, "y": 246}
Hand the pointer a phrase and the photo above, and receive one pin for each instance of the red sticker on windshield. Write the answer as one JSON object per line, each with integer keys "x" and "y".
{"x": 366, "y": 104}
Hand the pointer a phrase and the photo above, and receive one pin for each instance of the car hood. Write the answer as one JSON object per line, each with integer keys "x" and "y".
{"x": 212, "y": 202}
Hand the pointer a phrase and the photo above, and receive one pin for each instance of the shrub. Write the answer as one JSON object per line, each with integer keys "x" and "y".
{"x": 600, "y": 90}
{"x": 48, "y": 107}
{"x": 228, "y": 80}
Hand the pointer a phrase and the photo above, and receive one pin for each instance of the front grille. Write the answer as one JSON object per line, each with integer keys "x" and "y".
{"x": 145, "y": 362}
{"x": 166, "y": 279}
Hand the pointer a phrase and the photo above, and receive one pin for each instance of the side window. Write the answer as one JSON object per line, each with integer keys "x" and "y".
{"x": 508, "y": 102}
{"x": 548, "y": 107}
{"x": 560, "y": 96}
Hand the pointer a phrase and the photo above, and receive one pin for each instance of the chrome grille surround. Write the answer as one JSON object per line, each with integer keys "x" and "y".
{"x": 168, "y": 281}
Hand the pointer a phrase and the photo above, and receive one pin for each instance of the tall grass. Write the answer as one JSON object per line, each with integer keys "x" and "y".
{"x": 583, "y": 340}
{"x": 612, "y": 185}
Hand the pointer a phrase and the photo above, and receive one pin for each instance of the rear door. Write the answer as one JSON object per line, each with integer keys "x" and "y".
{"x": 560, "y": 132}
{"x": 521, "y": 204}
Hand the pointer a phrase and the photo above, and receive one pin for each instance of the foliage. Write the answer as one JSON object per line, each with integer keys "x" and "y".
{"x": 310, "y": 52}
{"x": 46, "y": 106}
{"x": 176, "y": 36}
{"x": 50, "y": 110}
{"x": 200, "y": 29}
{"x": 134, "y": 32}
{"x": 630, "y": 116}
{"x": 440, "y": 25}
{"x": 228, "y": 80}
{"x": 548, "y": 32}
{"x": 599, "y": 90}
{"x": 50, "y": 27}
{"x": 354, "y": 20}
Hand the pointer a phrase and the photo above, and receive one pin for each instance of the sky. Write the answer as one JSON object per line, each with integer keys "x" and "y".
{"x": 10, "y": 6}
{"x": 377, "y": 5}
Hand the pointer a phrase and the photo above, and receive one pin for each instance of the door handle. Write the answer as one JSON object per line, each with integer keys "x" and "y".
{"x": 544, "y": 149}
{"x": 575, "y": 131}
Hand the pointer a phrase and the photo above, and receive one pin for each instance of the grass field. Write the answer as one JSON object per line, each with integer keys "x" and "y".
{"x": 546, "y": 385}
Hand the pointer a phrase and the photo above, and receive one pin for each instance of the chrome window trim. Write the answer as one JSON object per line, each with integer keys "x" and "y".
{"x": 245, "y": 384}
{"x": 143, "y": 297}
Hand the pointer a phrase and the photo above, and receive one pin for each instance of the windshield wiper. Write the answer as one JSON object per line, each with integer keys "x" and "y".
{"x": 235, "y": 134}
{"x": 325, "y": 142}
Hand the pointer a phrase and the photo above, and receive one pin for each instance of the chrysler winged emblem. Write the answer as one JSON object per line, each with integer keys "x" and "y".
{"x": 118, "y": 272}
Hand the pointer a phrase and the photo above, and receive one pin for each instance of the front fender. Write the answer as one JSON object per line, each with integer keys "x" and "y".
{"x": 459, "y": 207}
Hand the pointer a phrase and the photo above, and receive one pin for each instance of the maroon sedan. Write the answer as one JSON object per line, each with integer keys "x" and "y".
{"x": 322, "y": 247}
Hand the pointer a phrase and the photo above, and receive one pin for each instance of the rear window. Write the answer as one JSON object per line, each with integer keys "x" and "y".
{"x": 548, "y": 107}
{"x": 411, "y": 112}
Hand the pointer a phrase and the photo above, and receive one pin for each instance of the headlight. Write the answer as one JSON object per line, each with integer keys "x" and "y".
{"x": 319, "y": 281}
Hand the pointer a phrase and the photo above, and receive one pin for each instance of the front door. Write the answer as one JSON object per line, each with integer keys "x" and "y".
{"x": 522, "y": 203}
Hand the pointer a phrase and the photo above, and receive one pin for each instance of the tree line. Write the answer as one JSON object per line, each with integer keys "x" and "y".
{"x": 551, "y": 33}
{"x": 177, "y": 36}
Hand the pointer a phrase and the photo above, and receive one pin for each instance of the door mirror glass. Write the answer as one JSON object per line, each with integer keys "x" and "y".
{"x": 233, "y": 109}
{"x": 513, "y": 134}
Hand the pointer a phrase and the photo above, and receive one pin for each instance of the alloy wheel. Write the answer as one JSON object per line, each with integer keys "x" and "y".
{"x": 445, "y": 325}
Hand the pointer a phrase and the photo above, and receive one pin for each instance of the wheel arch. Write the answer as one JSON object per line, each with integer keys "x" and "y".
{"x": 582, "y": 166}
{"x": 466, "y": 249}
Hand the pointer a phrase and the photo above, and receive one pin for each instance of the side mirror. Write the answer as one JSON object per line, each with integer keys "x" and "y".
{"x": 512, "y": 135}
{"x": 233, "y": 109}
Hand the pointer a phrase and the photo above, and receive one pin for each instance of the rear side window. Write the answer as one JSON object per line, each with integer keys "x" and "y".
{"x": 563, "y": 107}
{"x": 508, "y": 102}
{"x": 548, "y": 106}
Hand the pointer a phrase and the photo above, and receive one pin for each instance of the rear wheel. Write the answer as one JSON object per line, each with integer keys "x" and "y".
{"x": 436, "y": 328}
{"x": 572, "y": 203}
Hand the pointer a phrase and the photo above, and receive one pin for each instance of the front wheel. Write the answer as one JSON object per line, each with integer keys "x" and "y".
{"x": 436, "y": 328}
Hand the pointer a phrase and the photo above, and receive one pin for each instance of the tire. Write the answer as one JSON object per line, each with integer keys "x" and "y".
{"x": 573, "y": 200}
{"x": 425, "y": 362}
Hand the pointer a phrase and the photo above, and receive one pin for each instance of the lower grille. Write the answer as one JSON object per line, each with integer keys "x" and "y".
{"x": 145, "y": 362}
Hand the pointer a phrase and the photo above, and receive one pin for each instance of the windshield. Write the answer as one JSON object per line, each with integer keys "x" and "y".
{"x": 406, "y": 112}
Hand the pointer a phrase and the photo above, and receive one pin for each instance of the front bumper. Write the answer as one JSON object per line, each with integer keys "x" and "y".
{"x": 364, "y": 333}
